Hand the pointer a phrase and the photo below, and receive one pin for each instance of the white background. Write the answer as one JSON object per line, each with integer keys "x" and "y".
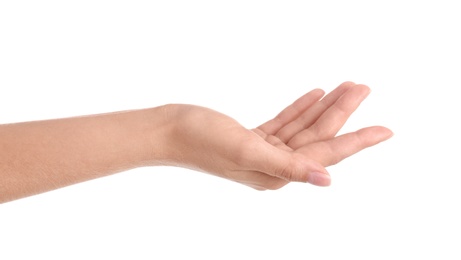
{"x": 248, "y": 59}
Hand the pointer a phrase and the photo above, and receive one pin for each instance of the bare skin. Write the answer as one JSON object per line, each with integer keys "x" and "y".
{"x": 297, "y": 145}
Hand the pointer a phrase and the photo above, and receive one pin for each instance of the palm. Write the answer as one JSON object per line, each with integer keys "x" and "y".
{"x": 309, "y": 126}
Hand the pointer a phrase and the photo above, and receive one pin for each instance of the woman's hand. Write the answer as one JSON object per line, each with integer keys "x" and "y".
{"x": 296, "y": 145}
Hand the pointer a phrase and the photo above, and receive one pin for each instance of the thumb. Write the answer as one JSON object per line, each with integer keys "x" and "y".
{"x": 288, "y": 165}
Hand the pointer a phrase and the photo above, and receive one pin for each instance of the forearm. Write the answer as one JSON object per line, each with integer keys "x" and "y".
{"x": 44, "y": 155}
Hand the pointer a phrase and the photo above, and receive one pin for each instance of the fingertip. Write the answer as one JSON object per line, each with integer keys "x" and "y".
{"x": 384, "y": 132}
{"x": 318, "y": 92}
{"x": 375, "y": 134}
{"x": 319, "y": 179}
{"x": 388, "y": 132}
{"x": 347, "y": 84}
{"x": 363, "y": 89}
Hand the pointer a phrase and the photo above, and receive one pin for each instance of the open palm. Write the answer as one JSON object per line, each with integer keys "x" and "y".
{"x": 309, "y": 127}
{"x": 296, "y": 145}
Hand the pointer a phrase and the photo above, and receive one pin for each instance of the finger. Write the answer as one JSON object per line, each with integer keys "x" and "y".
{"x": 291, "y": 112}
{"x": 309, "y": 116}
{"x": 289, "y": 166}
{"x": 335, "y": 150}
{"x": 331, "y": 121}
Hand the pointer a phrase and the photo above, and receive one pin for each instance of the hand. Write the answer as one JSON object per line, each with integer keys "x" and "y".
{"x": 296, "y": 145}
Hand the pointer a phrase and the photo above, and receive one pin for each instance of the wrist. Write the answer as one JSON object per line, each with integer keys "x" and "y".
{"x": 156, "y": 129}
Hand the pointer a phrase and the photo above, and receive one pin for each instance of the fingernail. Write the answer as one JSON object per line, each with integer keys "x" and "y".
{"x": 390, "y": 134}
{"x": 319, "y": 179}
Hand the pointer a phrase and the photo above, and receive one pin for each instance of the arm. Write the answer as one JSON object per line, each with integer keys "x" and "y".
{"x": 44, "y": 155}
{"x": 296, "y": 145}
